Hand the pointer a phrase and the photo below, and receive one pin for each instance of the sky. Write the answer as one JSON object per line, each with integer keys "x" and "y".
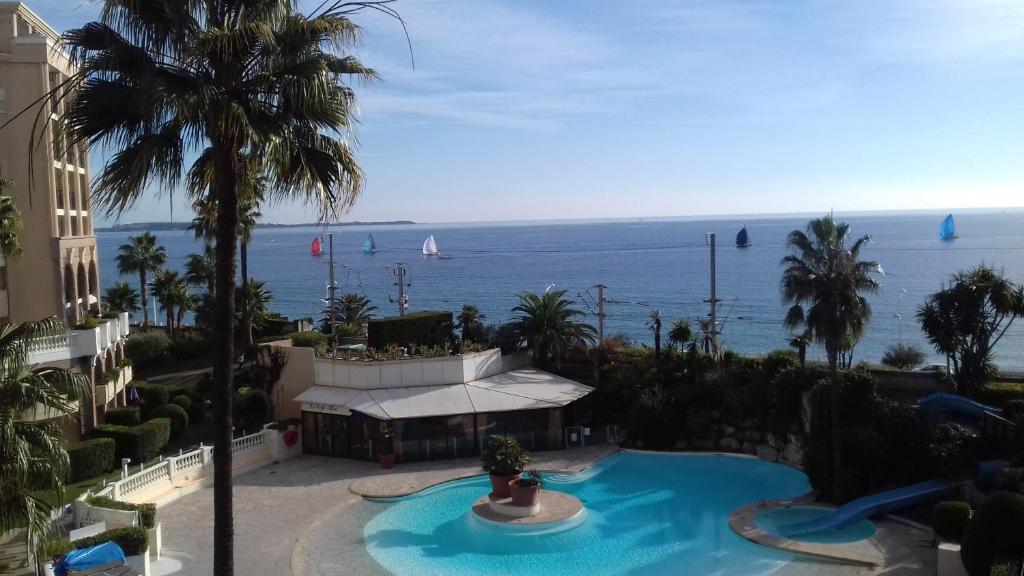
{"x": 532, "y": 109}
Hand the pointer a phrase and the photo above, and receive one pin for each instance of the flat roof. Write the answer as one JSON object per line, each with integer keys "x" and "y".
{"x": 523, "y": 389}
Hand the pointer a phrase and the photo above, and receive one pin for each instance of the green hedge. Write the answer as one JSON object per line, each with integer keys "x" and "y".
{"x": 140, "y": 443}
{"x": 182, "y": 400}
{"x": 147, "y": 512}
{"x": 153, "y": 396}
{"x": 1000, "y": 393}
{"x": 417, "y": 329}
{"x": 176, "y": 414}
{"x": 133, "y": 540}
{"x": 310, "y": 339}
{"x": 124, "y": 416}
{"x": 91, "y": 458}
{"x": 950, "y": 519}
{"x": 147, "y": 348}
{"x": 995, "y": 533}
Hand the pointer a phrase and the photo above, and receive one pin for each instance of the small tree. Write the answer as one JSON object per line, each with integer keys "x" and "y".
{"x": 469, "y": 321}
{"x": 121, "y": 297}
{"x": 903, "y": 357}
{"x": 655, "y": 326}
{"x": 680, "y": 334}
{"x": 966, "y": 321}
{"x": 551, "y": 326}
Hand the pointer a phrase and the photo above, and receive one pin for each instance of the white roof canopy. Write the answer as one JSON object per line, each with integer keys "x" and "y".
{"x": 524, "y": 389}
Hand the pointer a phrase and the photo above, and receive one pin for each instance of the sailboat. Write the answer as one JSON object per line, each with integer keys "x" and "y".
{"x": 742, "y": 239}
{"x": 430, "y": 246}
{"x": 368, "y": 245}
{"x": 314, "y": 247}
{"x": 947, "y": 230}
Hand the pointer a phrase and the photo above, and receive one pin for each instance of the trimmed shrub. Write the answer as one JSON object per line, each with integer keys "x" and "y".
{"x": 949, "y": 520}
{"x": 995, "y": 533}
{"x": 133, "y": 540}
{"x": 417, "y": 329}
{"x": 310, "y": 339}
{"x": 139, "y": 443}
{"x": 147, "y": 349}
{"x": 91, "y": 458}
{"x": 162, "y": 430}
{"x": 253, "y": 406}
{"x": 124, "y": 416}
{"x": 182, "y": 400}
{"x": 147, "y": 512}
{"x": 176, "y": 414}
{"x": 190, "y": 344}
{"x": 153, "y": 396}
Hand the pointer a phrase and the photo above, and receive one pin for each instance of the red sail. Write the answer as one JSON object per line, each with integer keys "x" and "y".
{"x": 314, "y": 248}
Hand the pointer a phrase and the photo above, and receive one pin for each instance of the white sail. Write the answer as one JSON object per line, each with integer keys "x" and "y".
{"x": 429, "y": 246}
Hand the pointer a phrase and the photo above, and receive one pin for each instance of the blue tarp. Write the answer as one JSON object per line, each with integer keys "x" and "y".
{"x": 91, "y": 557}
{"x": 946, "y": 402}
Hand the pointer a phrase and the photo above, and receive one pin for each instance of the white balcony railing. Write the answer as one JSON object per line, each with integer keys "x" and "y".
{"x": 79, "y": 343}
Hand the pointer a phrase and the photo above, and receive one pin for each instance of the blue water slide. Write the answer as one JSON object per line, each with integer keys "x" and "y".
{"x": 873, "y": 505}
{"x": 946, "y": 402}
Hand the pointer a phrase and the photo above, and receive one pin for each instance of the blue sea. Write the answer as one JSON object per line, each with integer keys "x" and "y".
{"x": 646, "y": 264}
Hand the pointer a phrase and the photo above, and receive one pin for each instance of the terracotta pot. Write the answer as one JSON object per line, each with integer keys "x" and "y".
{"x": 499, "y": 485}
{"x": 387, "y": 460}
{"x": 523, "y": 495}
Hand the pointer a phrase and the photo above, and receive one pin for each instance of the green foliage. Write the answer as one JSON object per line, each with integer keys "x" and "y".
{"x": 1000, "y": 393}
{"x": 91, "y": 458}
{"x": 654, "y": 421}
{"x": 147, "y": 349}
{"x": 53, "y": 549}
{"x": 351, "y": 311}
{"x": 147, "y": 511}
{"x": 253, "y": 407}
{"x": 121, "y": 297}
{"x": 88, "y": 323}
{"x": 190, "y": 344}
{"x": 470, "y": 322}
{"x": 1013, "y": 410}
{"x": 133, "y": 540}
{"x": 995, "y": 533}
{"x": 310, "y": 339}
{"x": 949, "y": 520}
{"x": 153, "y": 396}
{"x": 416, "y": 329}
{"x": 903, "y": 357}
{"x": 182, "y": 400}
{"x": 162, "y": 428}
{"x": 123, "y": 416}
{"x": 139, "y": 443}
{"x": 503, "y": 456}
{"x": 551, "y": 325}
{"x": 176, "y": 414}
{"x": 952, "y": 449}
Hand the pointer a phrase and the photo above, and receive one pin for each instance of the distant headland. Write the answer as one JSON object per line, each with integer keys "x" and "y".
{"x": 158, "y": 226}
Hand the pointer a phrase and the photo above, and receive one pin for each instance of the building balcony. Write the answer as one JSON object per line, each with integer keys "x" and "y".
{"x": 409, "y": 372}
{"x": 78, "y": 343}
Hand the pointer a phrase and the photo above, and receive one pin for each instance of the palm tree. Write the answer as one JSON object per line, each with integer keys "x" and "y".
{"x": 232, "y": 79}
{"x": 681, "y": 334}
{"x": 10, "y": 222}
{"x": 352, "y": 309}
{"x": 655, "y": 326}
{"x": 121, "y": 297}
{"x": 469, "y": 319}
{"x": 200, "y": 269}
{"x": 550, "y": 325}
{"x": 824, "y": 281}
{"x": 141, "y": 255}
{"x": 32, "y": 454}
{"x": 257, "y": 302}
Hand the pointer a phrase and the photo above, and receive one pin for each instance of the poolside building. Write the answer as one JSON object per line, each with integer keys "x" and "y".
{"x": 436, "y": 408}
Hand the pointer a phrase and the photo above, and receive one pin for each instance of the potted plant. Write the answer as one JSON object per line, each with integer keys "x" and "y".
{"x": 386, "y": 449}
{"x": 525, "y": 491}
{"x": 504, "y": 459}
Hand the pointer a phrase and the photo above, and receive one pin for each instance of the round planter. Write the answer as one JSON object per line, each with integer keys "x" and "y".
{"x": 387, "y": 460}
{"x": 499, "y": 485}
{"x": 523, "y": 495}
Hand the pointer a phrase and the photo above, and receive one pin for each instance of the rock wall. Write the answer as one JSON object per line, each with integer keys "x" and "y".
{"x": 748, "y": 437}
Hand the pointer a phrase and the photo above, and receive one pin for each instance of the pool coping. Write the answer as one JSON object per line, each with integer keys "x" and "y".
{"x": 867, "y": 553}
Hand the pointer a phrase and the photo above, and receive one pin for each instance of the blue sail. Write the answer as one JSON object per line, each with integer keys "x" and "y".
{"x": 742, "y": 240}
{"x": 368, "y": 246}
{"x": 947, "y": 231}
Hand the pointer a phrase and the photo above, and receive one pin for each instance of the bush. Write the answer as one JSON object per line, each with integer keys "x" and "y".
{"x": 139, "y": 443}
{"x": 654, "y": 421}
{"x": 952, "y": 448}
{"x": 1000, "y": 393}
{"x": 417, "y": 329}
{"x": 91, "y": 458}
{"x": 310, "y": 339}
{"x": 88, "y": 323}
{"x": 147, "y": 349}
{"x": 253, "y": 407}
{"x": 182, "y": 400}
{"x": 54, "y": 549}
{"x": 994, "y": 534}
{"x": 153, "y": 396}
{"x": 949, "y": 520}
{"x": 190, "y": 344}
{"x": 197, "y": 411}
{"x": 133, "y": 540}
{"x": 147, "y": 512}
{"x": 162, "y": 429}
{"x": 503, "y": 456}
{"x": 1013, "y": 409}
{"x": 176, "y": 414}
{"x": 903, "y": 357}
{"x": 124, "y": 416}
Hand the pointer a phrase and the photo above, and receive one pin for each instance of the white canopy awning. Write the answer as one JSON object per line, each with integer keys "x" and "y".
{"x": 524, "y": 389}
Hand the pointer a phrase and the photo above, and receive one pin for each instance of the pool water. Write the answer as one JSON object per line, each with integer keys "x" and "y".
{"x": 648, "y": 514}
{"x": 775, "y": 520}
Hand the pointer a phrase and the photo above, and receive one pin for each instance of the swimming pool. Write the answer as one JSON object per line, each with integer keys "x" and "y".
{"x": 647, "y": 514}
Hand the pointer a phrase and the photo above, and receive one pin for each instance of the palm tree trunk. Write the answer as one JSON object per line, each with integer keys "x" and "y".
{"x": 228, "y": 168}
{"x": 246, "y": 313}
{"x": 837, "y": 462}
{"x": 145, "y": 297}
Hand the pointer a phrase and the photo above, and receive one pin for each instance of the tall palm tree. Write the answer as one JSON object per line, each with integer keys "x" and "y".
{"x": 551, "y": 326}
{"x": 200, "y": 269}
{"x": 825, "y": 281}
{"x": 10, "y": 222}
{"x": 141, "y": 255}
{"x": 469, "y": 319}
{"x": 655, "y": 326}
{"x": 121, "y": 297}
{"x": 231, "y": 79}
{"x": 681, "y": 334}
{"x": 257, "y": 302}
{"x": 32, "y": 454}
